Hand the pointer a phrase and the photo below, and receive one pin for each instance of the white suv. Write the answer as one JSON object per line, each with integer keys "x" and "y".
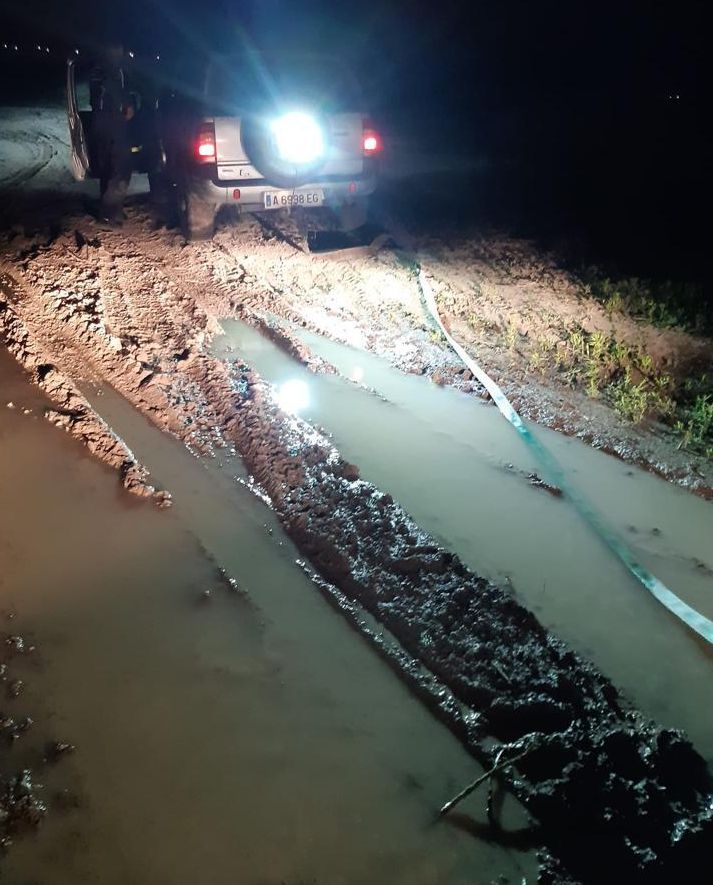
{"x": 264, "y": 132}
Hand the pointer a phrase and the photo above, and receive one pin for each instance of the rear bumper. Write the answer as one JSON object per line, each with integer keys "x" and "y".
{"x": 251, "y": 194}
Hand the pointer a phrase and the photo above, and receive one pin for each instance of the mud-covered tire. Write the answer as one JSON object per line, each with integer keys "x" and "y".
{"x": 163, "y": 200}
{"x": 197, "y": 217}
{"x": 350, "y": 216}
{"x": 159, "y": 188}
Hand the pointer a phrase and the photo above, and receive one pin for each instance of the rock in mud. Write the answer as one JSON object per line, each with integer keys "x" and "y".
{"x": 20, "y": 807}
{"x": 14, "y": 688}
{"x": 539, "y": 483}
{"x": 56, "y": 750}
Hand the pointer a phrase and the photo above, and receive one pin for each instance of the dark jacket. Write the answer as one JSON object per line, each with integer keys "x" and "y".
{"x": 107, "y": 88}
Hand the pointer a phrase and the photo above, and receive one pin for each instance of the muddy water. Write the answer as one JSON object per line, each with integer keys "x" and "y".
{"x": 461, "y": 472}
{"x": 250, "y": 739}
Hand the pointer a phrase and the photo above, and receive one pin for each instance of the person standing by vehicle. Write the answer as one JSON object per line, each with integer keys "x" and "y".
{"x": 111, "y": 111}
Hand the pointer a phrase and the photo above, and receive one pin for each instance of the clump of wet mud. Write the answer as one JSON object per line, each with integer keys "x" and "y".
{"x": 22, "y": 807}
{"x": 612, "y": 791}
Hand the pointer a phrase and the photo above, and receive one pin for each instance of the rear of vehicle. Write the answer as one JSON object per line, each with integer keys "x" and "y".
{"x": 279, "y": 132}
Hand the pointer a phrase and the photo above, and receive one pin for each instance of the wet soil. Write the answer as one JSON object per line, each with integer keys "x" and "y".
{"x": 595, "y": 767}
{"x": 210, "y": 694}
{"x": 612, "y": 791}
{"x": 466, "y": 477}
{"x": 29, "y": 748}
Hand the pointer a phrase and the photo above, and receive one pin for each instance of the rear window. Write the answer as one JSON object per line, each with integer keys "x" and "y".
{"x": 239, "y": 84}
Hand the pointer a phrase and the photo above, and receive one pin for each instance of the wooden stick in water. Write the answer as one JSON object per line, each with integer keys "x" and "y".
{"x": 466, "y": 791}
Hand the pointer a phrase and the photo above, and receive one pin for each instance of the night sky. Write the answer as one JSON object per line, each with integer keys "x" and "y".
{"x": 515, "y": 48}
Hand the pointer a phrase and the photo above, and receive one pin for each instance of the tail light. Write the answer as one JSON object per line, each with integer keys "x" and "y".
{"x": 205, "y": 144}
{"x": 371, "y": 141}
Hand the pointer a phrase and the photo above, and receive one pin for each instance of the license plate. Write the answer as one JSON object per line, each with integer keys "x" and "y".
{"x": 286, "y": 199}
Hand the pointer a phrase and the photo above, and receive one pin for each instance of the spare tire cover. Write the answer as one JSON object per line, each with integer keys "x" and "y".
{"x": 259, "y": 145}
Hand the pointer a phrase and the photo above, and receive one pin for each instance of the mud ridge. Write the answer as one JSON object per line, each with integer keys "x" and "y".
{"x": 290, "y": 345}
{"x": 615, "y": 794}
{"x": 72, "y": 413}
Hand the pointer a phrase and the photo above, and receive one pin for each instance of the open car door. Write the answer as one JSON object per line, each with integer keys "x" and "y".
{"x": 77, "y": 136}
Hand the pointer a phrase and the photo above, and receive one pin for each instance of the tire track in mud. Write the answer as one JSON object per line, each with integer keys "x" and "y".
{"x": 615, "y": 795}
{"x": 73, "y": 412}
{"x": 36, "y": 143}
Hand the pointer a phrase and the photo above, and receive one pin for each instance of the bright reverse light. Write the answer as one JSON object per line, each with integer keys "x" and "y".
{"x": 298, "y": 137}
{"x": 293, "y": 396}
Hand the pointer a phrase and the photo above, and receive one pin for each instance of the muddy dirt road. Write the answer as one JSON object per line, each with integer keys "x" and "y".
{"x": 222, "y": 733}
{"x": 112, "y": 323}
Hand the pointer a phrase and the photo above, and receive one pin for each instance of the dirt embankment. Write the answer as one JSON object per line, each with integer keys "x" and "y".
{"x": 606, "y": 360}
{"x": 135, "y": 308}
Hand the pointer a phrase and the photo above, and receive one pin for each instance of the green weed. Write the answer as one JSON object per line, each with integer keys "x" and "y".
{"x": 696, "y": 423}
{"x": 628, "y": 377}
{"x": 629, "y": 399}
{"x": 647, "y": 398}
{"x": 511, "y": 336}
{"x": 666, "y": 305}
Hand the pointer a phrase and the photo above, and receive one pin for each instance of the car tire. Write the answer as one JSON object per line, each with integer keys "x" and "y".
{"x": 159, "y": 188}
{"x": 351, "y": 216}
{"x": 197, "y": 217}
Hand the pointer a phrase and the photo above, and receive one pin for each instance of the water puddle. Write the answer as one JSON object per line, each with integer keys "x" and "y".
{"x": 461, "y": 471}
{"x": 236, "y": 738}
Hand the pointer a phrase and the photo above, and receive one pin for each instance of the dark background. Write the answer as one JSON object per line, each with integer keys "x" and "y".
{"x": 584, "y": 123}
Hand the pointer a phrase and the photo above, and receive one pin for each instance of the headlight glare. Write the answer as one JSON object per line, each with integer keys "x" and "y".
{"x": 298, "y": 137}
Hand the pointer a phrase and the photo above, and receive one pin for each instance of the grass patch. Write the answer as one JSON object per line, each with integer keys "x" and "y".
{"x": 666, "y": 305}
{"x": 694, "y": 418}
{"x": 650, "y": 397}
{"x": 627, "y": 377}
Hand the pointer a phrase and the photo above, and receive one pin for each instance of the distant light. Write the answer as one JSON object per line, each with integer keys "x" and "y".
{"x": 39, "y": 49}
{"x": 158, "y": 58}
{"x": 47, "y": 49}
{"x": 131, "y": 54}
{"x": 293, "y": 396}
{"x": 76, "y": 52}
{"x": 15, "y": 48}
